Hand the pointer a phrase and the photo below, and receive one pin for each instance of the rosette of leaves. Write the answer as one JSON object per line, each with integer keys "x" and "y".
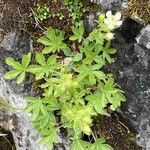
{"x": 75, "y": 91}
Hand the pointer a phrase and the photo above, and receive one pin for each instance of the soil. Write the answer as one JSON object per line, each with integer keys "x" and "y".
{"x": 19, "y": 14}
{"x": 118, "y": 133}
{"x": 6, "y": 142}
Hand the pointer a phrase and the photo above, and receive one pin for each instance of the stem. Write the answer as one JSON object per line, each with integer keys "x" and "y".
{"x": 93, "y": 136}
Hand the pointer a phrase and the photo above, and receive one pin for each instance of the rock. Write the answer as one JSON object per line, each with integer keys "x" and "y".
{"x": 144, "y": 37}
{"x": 114, "y": 5}
{"x": 89, "y": 22}
{"x": 132, "y": 68}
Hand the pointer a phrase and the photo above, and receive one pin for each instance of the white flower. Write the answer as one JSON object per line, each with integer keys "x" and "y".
{"x": 113, "y": 21}
{"x": 109, "y": 36}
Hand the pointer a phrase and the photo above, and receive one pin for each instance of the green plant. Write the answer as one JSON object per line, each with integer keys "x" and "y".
{"x": 42, "y": 12}
{"x": 60, "y": 15}
{"x": 75, "y": 8}
{"x": 75, "y": 89}
{"x": 19, "y": 70}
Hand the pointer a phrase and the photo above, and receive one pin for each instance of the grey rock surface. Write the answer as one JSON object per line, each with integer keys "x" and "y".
{"x": 114, "y": 5}
{"x": 132, "y": 69}
{"x": 144, "y": 37}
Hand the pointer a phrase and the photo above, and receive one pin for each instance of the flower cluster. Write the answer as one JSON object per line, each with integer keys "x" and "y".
{"x": 113, "y": 21}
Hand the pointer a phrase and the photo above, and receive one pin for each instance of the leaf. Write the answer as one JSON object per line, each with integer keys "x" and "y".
{"x": 44, "y": 41}
{"x": 53, "y": 40}
{"x": 80, "y": 145}
{"x": 78, "y": 118}
{"x": 50, "y": 138}
{"x": 10, "y": 61}
{"x": 98, "y": 101}
{"x": 50, "y": 33}
{"x": 77, "y": 33}
{"x": 51, "y": 60}
{"x": 12, "y": 74}
{"x": 40, "y": 59}
{"x": 20, "y": 78}
{"x": 77, "y": 57}
{"x": 67, "y": 51}
{"x": 100, "y": 75}
{"x": 36, "y": 106}
{"x": 35, "y": 69}
{"x": 100, "y": 145}
{"x": 26, "y": 60}
{"x": 48, "y": 50}
{"x": 92, "y": 79}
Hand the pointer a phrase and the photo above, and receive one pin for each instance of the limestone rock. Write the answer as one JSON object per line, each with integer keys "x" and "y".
{"x": 144, "y": 37}
{"x": 114, "y": 5}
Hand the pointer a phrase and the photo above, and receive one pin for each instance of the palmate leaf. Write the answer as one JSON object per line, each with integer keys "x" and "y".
{"x": 98, "y": 101}
{"x": 91, "y": 72}
{"x": 43, "y": 122}
{"x": 35, "y": 106}
{"x": 19, "y": 70}
{"x": 80, "y": 145}
{"x": 77, "y": 33}
{"x": 78, "y": 118}
{"x": 113, "y": 95}
{"x": 53, "y": 41}
{"x": 45, "y": 67}
{"x": 52, "y": 103}
{"x": 107, "y": 51}
{"x": 107, "y": 94}
{"x": 100, "y": 145}
{"x": 49, "y": 137}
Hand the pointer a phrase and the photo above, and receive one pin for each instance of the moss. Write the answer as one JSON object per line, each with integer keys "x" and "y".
{"x": 138, "y": 8}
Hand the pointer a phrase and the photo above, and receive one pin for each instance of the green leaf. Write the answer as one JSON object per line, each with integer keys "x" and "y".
{"x": 20, "y": 78}
{"x": 100, "y": 145}
{"x": 100, "y": 75}
{"x": 50, "y": 138}
{"x": 50, "y": 33}
{"x": 80, "y": 145}
{"x": 77, "y": 33}
{"x": 48, "y": 50}
{"x": 12, "y": 74}
{"x": 98, "y": 101}
{"x": 40, "y": 59}
{"x": 77, "y": 57}
{"x": 26, "y": 60}
{"x": 92, "y": 79}
{"x": 44, "y": 41}
{"x": 34, "y": 69}
{"x": 67, "y": 51}
{"x": 16, "y": 65}
{"x": 53, "y": 40}
{"x": 78, "y": 118}
{"x": 36, "y": 106}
